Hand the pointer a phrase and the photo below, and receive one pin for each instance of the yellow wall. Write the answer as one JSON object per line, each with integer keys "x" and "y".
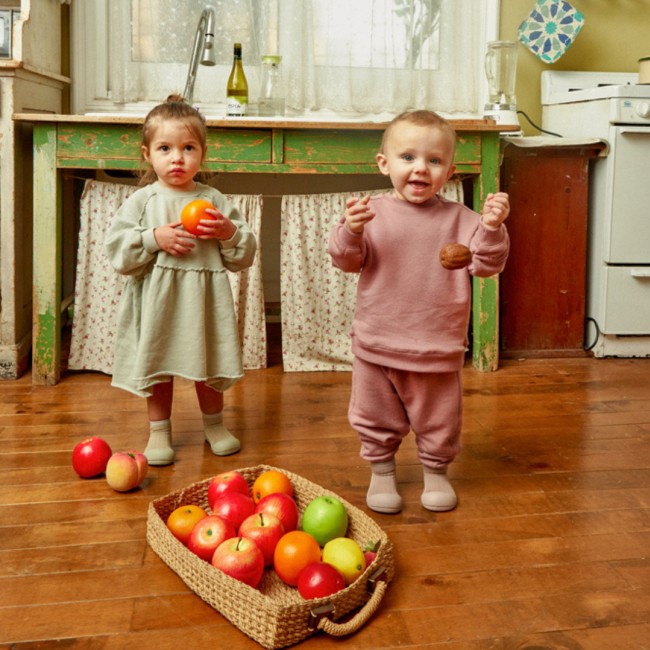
{"x": 615, "y": 35}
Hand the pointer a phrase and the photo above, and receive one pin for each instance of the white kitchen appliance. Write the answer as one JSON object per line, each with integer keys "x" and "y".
{"x": 613, "y": 107}
{"x": 501, "y": 72}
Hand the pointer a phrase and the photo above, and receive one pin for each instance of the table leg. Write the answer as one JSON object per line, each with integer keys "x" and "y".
{"x": 46, "y": 307}
{"x": 485, "y": 298}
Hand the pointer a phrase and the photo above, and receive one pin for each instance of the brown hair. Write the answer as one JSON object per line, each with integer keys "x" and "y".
{"x": 173, "y": 108}
{"x": 420, "y": 118}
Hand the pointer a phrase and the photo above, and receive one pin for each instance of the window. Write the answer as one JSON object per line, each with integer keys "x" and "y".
{"x": 352, "y": 58}
{"x": 411, "y": 29}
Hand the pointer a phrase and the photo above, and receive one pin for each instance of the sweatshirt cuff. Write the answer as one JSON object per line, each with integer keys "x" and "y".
{"x": 232, "y": 242}
{"x": 492, "y": 228}
{"x": 491, "y": 234}
{"x": 349, "y": 238}
{"x": 149, "y": 241}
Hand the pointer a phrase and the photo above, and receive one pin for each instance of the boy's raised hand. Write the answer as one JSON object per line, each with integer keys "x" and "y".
{"x": 357, "y": 214}
{"x": 495, "y": 210}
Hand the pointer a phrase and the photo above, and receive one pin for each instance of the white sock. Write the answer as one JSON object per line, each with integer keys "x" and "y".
{"x": 159, "y": 449}
{"x": 382, "y": 494}
{"x": 222, "y": 442}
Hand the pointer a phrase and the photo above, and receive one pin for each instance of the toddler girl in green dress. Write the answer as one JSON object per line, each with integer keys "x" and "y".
{"x": 176, "y": 317}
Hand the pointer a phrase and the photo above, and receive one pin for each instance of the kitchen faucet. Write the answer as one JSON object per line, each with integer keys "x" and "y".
{"x": 203, "y": 39}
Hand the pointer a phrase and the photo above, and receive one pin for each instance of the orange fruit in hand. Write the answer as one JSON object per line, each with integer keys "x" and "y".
{"x": 293, "y": 553}
{"x": 192, "y": 214}
{"x": 182, "y": 520}
{"x": 270, "y": 482}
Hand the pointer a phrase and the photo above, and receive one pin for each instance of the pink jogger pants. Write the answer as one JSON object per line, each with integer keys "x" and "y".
{"x": 386, "y": 403}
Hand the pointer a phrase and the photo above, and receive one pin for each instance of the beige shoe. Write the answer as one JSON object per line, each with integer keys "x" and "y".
{"x": 159, "y": 451}
{"x": 438, "y": 495}
{"x": 221, "y": 441}
{"x": 382, "y": 494}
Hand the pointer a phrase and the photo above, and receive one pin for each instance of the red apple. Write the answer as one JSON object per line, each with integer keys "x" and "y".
{"x": 226, "y": 482}
{"x": 234, "y": 507}
{"x": 319, "y": 580}
{"x": 265, "y": 530}
{"x": 124, "y": 470}
{"x": 208, "y": 534}
{"x": 282, "y": 506}
{"x": 241, "y": 559}
{"x": 90, "y": 456}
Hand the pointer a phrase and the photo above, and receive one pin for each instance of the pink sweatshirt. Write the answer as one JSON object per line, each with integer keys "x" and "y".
{"x": 411, "y": 313}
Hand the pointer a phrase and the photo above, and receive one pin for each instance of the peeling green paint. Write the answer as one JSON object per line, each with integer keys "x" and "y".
{"x": 47, "y": 349}
{"x": 485, "y": 310}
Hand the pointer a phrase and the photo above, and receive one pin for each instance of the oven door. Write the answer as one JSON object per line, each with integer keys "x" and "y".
{"x": 626, "y": 220}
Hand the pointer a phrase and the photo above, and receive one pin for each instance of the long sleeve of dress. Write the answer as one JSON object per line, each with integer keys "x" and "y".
{"x": 130, "y": 243}
{"x": 239, "y": 251}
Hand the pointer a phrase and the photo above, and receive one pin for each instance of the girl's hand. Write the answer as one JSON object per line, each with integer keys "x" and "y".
{"x": 173, "y": 239}
{"x": 219, "y": 228}
{"x": 495, "y": 210}
{"x": 357, "y": 214}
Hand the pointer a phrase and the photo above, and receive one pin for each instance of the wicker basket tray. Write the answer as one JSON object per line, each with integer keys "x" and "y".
{"x": 275, "y": 615}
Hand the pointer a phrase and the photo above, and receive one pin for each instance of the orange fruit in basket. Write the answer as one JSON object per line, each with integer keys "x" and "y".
{"x": 293, "y": 553}
{"x": 181, "y": 521}
{"x": 271, "y": 482}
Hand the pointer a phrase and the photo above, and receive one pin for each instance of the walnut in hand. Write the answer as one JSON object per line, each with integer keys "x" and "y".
{"x": 455, "y": 256}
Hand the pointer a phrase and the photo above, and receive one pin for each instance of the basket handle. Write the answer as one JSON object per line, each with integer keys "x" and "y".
{"x": 377, "y": 584}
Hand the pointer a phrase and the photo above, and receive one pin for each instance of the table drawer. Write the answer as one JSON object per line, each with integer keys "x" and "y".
{"x": 86, "y": 146}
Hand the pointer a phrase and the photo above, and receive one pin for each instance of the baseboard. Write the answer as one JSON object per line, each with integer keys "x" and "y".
{"x": 14, "y": 359}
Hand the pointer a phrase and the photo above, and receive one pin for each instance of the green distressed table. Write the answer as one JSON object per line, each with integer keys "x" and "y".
{"x": 238, "y": 146}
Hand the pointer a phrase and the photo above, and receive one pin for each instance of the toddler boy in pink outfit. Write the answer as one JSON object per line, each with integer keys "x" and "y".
{"x": 409, "y": 334}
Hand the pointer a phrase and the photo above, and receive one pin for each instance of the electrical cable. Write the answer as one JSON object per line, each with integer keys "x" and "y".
{"x": 591, "y": 320}
{"x": 539, "y": 128}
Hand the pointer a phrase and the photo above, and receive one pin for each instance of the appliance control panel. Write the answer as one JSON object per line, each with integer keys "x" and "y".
{"x": 630, "y": 111}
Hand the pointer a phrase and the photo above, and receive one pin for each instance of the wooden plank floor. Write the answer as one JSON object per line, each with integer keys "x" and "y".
{"x": 549, "y": 547}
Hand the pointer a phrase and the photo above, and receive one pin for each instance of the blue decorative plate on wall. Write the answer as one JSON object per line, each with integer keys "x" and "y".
{"x": 550, "y": 28}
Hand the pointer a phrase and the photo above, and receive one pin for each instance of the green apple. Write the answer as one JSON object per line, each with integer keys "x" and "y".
{"x": 325, "y": 518}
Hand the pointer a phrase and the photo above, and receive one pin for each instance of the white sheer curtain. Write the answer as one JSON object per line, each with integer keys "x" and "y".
{"x": 382, "y": 56}
{"x": 355, "y": 57}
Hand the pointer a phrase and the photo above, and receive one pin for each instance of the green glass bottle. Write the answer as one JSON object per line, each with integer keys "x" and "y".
{"x": 237, "y": 89}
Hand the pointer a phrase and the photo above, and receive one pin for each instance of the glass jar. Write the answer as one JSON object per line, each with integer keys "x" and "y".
{"x": 271, "y": 99}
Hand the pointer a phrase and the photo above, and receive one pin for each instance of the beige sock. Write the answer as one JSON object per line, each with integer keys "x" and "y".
{"x": 222, "y": 442}
{"x": 382, "y": 494}
{"x": 159, "y": 447}
{"x": 438, "y": 495}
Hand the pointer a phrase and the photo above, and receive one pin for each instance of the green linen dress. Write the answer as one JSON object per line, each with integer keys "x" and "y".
{"x": 176, "y": 316}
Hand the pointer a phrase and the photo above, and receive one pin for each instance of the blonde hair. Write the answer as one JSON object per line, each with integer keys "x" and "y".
{"x": 420, "y": 118}
{"x": 173, "y": 108}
